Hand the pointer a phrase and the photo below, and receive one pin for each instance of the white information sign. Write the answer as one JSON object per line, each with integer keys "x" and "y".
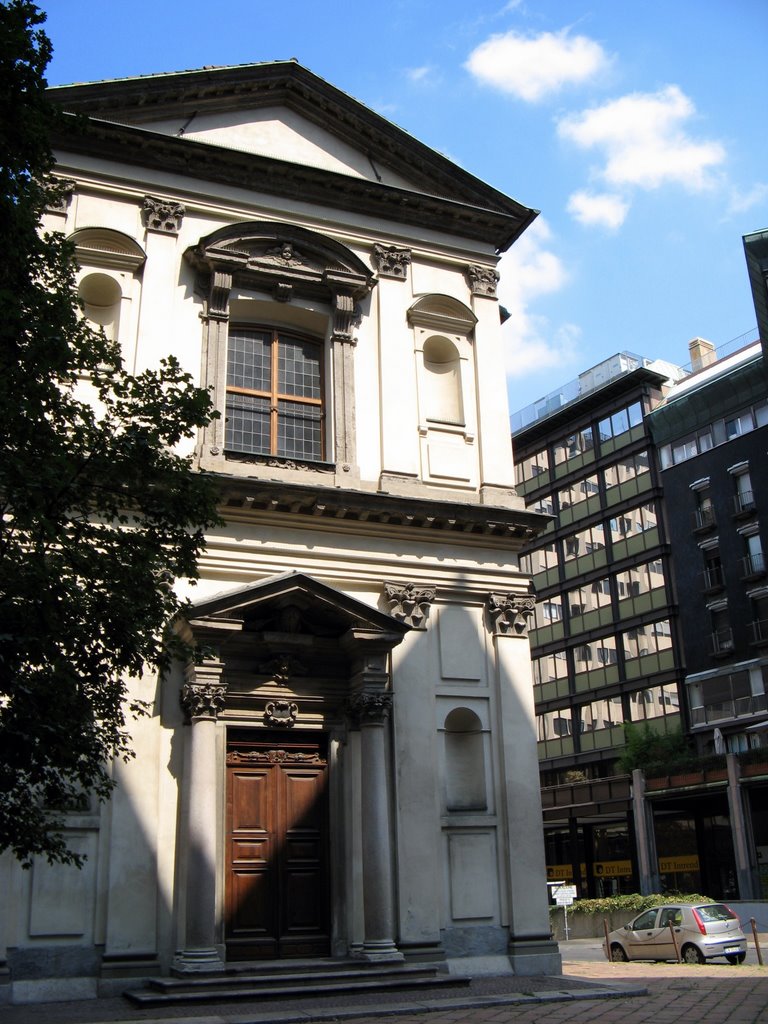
{"x": 565, "y": 895}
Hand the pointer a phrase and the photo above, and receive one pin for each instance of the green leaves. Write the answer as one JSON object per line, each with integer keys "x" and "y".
{"x": 98, "y": 512}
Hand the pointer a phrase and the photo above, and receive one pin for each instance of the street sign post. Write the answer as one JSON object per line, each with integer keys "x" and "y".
{"x": 564, "y": 896}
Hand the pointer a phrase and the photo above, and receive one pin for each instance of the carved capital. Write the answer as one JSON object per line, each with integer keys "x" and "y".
{"x": 483, "y": 280}
{"x": 392, "y": 261}
{"x": 203, "y": 699}
{"x": 281, "y": 714}
{"x": 409, "y": 602}
{"x": 369, "y": 708}
{"x": 164, "y": 215}
{"x": 510, "y": 613}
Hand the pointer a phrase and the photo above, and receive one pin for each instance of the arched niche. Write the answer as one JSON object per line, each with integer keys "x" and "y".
{"x": 465, "y": 788}
{"x": 443, "y": 334}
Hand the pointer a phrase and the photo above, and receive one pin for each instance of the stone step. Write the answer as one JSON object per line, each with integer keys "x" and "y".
{"x": 303, "y": 976}
{"x": 234, "y": 986}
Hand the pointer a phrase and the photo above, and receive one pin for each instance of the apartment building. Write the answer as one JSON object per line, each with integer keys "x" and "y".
{"x": 605, "y": 647}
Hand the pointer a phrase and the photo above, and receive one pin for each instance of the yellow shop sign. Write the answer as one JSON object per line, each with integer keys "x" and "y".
{"x": 667, "y": 865}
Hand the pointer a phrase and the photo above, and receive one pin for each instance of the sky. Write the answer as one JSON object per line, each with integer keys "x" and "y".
{"x": 638, "y": 129}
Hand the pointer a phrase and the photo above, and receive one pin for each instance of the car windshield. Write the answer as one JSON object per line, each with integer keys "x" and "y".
{"x": 715, "y": 912}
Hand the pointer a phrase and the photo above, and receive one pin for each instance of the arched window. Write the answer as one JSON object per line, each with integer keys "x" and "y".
{"x": 464, "y": 762}
{"x": 443, "y": 401}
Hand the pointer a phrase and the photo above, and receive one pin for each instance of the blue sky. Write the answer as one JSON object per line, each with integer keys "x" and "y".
{"x": 637, "y": 128}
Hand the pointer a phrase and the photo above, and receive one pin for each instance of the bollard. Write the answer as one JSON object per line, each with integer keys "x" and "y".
{"x": 674, "y": 941}
{"x": 607, "y": 944}
{"x": 753, "y": 922}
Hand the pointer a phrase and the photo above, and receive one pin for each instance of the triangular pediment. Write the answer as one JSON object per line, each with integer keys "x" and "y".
{"x": 292, "y": 603}
{"x": 283, "y": 134}
{"x": 280, "y": 111}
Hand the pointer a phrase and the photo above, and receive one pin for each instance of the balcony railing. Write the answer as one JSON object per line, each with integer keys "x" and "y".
{"x": 722, "y": 641}
{"x": 714, "y": 578}
{"x": 738, "y": 707}
{"x": 743, "y": 503}
{"x": 753, "y": 565}
{"x": 704, "y": 519}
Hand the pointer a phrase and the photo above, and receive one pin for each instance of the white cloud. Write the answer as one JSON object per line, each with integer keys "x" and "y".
{"x": 644, "y": 141}
{"x": 529, "y": 270}
{"x": 419, "y": 74}
{"x": 741, "y": 201}
{"x": 604, "y": 209}
{"x": 531, "y": 67}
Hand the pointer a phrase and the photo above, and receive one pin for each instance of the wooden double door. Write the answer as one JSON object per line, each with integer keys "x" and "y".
{"x": 277, "y": 893}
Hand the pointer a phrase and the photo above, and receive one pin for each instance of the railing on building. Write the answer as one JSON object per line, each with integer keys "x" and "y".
{"x": 743, "y": 503}
{"x": 753, "y": 565}
{"x": 704, "y": 519}
{"x": 714, "y": 578}
{"x": 722, "y": 641}
{"x": 738, "y": 707}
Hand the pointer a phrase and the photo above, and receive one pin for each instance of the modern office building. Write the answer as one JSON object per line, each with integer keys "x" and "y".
{"x": 604, "y": 646}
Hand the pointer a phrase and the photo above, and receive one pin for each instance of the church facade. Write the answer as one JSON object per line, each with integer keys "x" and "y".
{"x": 349, "y": 769}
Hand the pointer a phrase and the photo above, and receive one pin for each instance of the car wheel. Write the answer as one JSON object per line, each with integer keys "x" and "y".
{"x": 736, "y": 958}
{"x": 618, "y": 956}
{"x": 693, "y": 955}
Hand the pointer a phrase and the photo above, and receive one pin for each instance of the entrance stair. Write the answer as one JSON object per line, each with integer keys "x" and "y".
{"x": 293, "y": 980}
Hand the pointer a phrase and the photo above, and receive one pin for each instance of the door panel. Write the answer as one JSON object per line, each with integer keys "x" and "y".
{"x": 277, "y": 882}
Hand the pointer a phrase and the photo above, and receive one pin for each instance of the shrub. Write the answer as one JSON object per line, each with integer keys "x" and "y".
{"x": 633, "y": 903}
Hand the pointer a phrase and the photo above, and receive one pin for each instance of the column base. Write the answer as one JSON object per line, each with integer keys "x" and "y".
{"x": 197, "y": 961}
{"x": 534, "y": 956}
{"x": 379, "y": 952}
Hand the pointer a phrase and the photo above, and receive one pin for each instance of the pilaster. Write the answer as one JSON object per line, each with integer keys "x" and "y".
{"x": 531, "y": 949}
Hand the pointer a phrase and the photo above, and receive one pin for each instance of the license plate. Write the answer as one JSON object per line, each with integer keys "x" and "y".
{"x": 732, "y": 949}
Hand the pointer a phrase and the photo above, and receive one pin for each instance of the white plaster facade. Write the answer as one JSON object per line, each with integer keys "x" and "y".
{"x": 363, "y": 610}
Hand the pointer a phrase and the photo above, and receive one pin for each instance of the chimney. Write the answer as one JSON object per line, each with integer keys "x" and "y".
{"x": 702, "y": 353}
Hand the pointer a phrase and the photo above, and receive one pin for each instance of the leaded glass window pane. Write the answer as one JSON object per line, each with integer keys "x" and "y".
{"x": 247, "y": 425}
{"x": 249, "y": 360}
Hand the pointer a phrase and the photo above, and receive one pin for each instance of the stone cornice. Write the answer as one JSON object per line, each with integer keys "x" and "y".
{"x": 337, "y": 505}
{"x": 128, "y": 144}
{"x": 287, "y": 83}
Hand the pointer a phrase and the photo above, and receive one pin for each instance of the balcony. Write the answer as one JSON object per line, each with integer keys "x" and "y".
{"x": 726, "y": 710}
{"x": 753, "y": 566}
{"x": 759, "y": 629}
{"x": 722, "y": 642}
{"x": 743, "y": 504}
{"x": 704, "y": 520}
{"x": 713, "y": 579}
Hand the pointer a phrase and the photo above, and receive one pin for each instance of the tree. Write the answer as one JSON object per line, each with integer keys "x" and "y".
{"x": 98, "y": 513}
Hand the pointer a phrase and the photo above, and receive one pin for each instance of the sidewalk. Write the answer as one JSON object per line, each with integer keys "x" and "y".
{"x": 626, "y": 992}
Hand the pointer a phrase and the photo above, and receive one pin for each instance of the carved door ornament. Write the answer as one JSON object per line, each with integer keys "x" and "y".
{"x": 281, "y": 714}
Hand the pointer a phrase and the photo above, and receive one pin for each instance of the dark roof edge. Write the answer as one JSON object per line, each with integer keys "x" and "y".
{"x": 378, "y": 508}
{"x": 138, "y": 146}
